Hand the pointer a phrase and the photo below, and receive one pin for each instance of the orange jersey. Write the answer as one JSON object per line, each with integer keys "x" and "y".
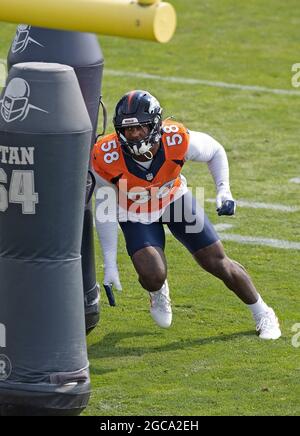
{"x": 144, "y": 190}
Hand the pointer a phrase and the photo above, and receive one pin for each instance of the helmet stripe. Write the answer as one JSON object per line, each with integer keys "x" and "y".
{"x": 130, "y": 97}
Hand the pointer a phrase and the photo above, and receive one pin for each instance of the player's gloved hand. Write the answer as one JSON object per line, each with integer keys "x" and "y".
{"x": 111, "y": 279}
{"x": 225, "y": 203}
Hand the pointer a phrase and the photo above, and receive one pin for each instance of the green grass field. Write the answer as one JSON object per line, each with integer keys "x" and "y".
{"x": 210, "y": 362}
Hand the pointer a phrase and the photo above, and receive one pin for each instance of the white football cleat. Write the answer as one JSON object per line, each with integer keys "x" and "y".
{"x": 160, "y": 309}
{"x": 267, "y": 325}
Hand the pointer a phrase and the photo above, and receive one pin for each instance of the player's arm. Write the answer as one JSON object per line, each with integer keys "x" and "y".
{"x": 106, "y": 196}
{"x": 204, "y": 148}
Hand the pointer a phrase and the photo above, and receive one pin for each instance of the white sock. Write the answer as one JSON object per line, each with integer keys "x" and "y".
{"x": 258, "y": 307}
{"x": 164, "y": 289}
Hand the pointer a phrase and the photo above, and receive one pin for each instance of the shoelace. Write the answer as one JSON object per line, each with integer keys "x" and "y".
{"x": 265, "y": 322}
{"x": 160, "y": 300}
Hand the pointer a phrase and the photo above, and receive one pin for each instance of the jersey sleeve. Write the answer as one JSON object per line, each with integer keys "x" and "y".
{"x": 175, "y": 138}
{"x": 106, "y": 157}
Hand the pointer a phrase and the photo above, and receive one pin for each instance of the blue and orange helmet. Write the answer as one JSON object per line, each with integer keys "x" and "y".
{"x": 138, "y": 108}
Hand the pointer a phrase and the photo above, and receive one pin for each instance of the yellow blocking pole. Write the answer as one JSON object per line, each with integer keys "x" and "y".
{"x": 142, "y": 19}
{"x": 147, "y": 2}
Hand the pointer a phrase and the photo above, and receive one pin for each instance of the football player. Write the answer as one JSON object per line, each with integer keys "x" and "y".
{"x": 140, "y": 166}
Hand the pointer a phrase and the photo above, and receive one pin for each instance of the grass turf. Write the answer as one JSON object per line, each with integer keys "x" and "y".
{"x": 210, "y": 362}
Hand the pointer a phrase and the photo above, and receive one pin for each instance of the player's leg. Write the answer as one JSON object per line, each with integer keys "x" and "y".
{"x": 145, "y": 245}
{"x": 151, "y": 266}
{"x": 209, "y": 253}
{"x": 201, "y": 239}
{"x": 214, "y": 260}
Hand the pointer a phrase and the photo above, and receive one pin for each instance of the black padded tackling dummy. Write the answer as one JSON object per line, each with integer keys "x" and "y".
{"x": 45, "y": 135}
{"x": 83, "y": 53}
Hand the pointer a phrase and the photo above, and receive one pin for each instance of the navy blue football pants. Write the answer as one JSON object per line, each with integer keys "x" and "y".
{"x": 186, "y": 220}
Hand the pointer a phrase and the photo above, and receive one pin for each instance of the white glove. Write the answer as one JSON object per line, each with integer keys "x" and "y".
{"x": 111, "y": 277}
{"x": 223, "y": 194}
{"x": 225, "y": 202}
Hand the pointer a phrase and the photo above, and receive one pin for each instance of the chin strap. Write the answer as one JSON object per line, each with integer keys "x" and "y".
{"x": 148, "y": 155}
{"x": 144, "y": 150}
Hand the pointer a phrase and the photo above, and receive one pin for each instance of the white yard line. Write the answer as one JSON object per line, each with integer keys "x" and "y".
{"x": 221, "y": 227}
{"x": 249, "y": 240}
{"x": 188, "y": 81}
{"x": 257, "y": 205}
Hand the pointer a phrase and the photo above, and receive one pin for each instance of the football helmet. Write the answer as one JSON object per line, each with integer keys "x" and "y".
{"x": 138, "y": 108}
